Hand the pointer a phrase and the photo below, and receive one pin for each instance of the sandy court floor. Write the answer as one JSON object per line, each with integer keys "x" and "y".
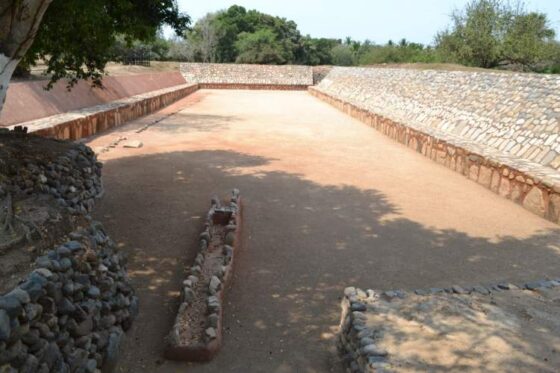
{"x": 329, "y": 203}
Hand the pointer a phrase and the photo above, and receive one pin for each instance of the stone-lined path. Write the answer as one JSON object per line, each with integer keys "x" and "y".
{"x": 329, "y": 203}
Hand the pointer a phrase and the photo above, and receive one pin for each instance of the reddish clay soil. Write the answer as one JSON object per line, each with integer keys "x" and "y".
{"x": 329, "y": 203}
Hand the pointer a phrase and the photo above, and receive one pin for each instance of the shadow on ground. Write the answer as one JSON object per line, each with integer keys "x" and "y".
{"x": 303, "y": 244}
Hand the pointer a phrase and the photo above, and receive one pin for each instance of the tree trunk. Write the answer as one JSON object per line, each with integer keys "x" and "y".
{"x": 19, "y": 22}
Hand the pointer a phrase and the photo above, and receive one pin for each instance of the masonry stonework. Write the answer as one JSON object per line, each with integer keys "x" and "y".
{"x": 406, "y": 115}
{"x": 270, "y": 76}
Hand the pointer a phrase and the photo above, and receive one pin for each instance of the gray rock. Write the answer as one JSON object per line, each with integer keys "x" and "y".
{"x": 481, "y": 290}
{"x": 11, "y": 305}
{"x": 65, "y": 306}
{"x": 44, "y": 272}
{"x": 366, "y": 341}
{"x": 458, "y": 290}
{"x": 373, "y": 350}
{"x": 94, "y": 292}
{"x": 33, "y": 311}
{"x": 215, "y": 285}
{"x": 533, "y": 285}
{"x": 507, "y": 286}
{"x": 188, "y": 294}
{"x": 20, "y": 294}
{"x": 213, "y": 320}
{"x": 229, "y": 239}
{"x": 74, "y": 246}
{"x": 357, "y": 306}
{"x": 113, "y": 348}
{"x": 211, "y": 333}
{"x": 31, "y": 365}
{"x": 5, "y": 328}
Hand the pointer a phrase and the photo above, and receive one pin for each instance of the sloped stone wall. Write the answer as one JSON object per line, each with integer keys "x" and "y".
{"x": 86, "y": 122}
{"x": 29, "y": 100}
{"x": 242, "y": 75}
{"x": 466, "y": 122}
{"x": 515, "y": 114}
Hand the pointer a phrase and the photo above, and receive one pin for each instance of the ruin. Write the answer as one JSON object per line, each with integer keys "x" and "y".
{"x": 465, "y": 212}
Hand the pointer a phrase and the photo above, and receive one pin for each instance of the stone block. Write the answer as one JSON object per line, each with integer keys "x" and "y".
{"x": 505, "y": 187}
{"x": 473, "y": 172}
{"x": 534, "y": 201}
{"x": 494, "y": 186}
{"x": 485, "y": 176}
{"x": 554, "y": 208}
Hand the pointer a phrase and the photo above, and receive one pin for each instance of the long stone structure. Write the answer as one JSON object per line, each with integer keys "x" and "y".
{"x": 81, "y": 123}
{"x": 500, "y": 130}
{"x": 248, "y": 76}
{"x": 29, "y": 100}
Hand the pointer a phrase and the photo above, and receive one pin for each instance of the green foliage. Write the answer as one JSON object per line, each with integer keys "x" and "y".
{"x": 403, "y": 52}
{"x": 262, "y": 47}
{"x": 123, "y": 51}
{"x": 249, "y": 36}
{"x": 343, "y": 55}
{"x": 76, "y": 37}
{"x": 528, "y": 39}
{"x": 490, "y": 33}
{"x": 316, "y": 51}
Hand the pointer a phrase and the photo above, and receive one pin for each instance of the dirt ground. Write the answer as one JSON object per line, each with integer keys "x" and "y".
{"x": 329, "y": 203}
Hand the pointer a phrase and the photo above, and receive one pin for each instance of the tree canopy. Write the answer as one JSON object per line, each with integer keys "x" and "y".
{"x": 490, "y": 33}
{"x": 76, "y": 37}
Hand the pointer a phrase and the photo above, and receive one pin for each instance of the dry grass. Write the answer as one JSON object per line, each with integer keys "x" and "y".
{"x": 437, "y": 66}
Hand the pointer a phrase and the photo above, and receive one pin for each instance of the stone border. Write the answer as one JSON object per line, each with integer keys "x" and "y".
{"x": 528, "y": 184}
{"x": 269, "y": 87}
{"x": 70, "y": 313}
{"x": 179, "y": 346}
{"x": 356, "y": 343}
{"x": 73, "y": 178}
{"x": 82, "y": 123}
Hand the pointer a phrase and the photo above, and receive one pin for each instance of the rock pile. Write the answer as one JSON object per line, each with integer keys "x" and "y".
{"x": 73, "y": 178}
{"x": 372, "y": 320}
{"x": 197, "y": 332}
{"x": 70, "y": 313}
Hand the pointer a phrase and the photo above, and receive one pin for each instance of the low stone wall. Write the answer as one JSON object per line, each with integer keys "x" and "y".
{"x": 29, "y": 100}
{"x": 532, "y": 185}
{"x": 70, "y": 313}
{"x": 197, "y": 332}
{"x": 87, "y": 122}
{"x": 248, "y": 75}
{"x": 360, "y": 341}
{"x": 268, "y": 87}
{"x": 73, "y": 177}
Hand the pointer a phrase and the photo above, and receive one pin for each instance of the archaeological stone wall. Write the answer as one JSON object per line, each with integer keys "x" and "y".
{"x": 65, "y": 297}
{"x": 500, "y": 130}
{"x": 29, "y": 100}
{"x": 239, "y": 76}
{"x": 77, "y": 124}
{"x": 70, "y": 313}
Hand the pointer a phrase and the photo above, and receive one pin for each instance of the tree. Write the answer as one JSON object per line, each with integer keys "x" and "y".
{"x": 489, "y": 33}
{"x": 342, "y": 55}
{"x": 204, "y": 39}
{"x": 528, "y": 40}
{"x": 476, "y": 33}
{"x": 75, "y": 37}
{"x": 261, "y": 47}
{"x": 19, "y": 22}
